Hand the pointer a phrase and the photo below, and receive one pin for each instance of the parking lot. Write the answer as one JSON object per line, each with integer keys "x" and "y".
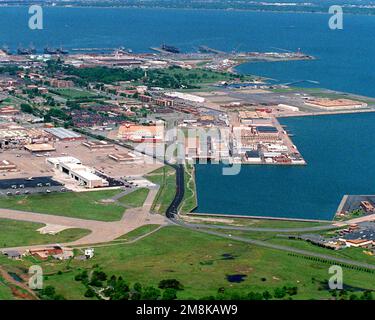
{"x": 9, "y": 187}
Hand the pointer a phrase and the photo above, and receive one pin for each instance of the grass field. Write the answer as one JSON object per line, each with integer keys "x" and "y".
{"x": 19, "y": 233}
{"x": 273, "y": 237}
{"x": 5, "y": 291}
{"x": 190, "y": 197}
{"x": 69, "y": 93}
{"x": 199, "y": 261}
{"x": 136, "y": 198}
{"x": 166, "y": 178}
{"x": 85, "y": 205}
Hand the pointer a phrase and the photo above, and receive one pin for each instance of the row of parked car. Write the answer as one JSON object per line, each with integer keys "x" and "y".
{"x": 26, "y": 192}
{"x": 22, "y": 186}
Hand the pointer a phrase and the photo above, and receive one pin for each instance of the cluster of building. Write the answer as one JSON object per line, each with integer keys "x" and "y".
{"x": 361, "y": 235}
{"x": 87, "y": 118}
{"x": 206, "y": 147}
{"x": 258, "y": 138}
{"x": 13, "y": 135}
{"x": 56, "y": 252}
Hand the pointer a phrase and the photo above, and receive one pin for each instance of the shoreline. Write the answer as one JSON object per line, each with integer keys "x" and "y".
{"x": 67, "y": 6}
{"x": 325, "y": 113}
{"x": 223, "y": 215}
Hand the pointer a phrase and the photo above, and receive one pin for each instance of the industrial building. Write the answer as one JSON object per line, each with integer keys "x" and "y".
{"x": 253, "y": 156}
{"x": 288, "y": 107}
{"x": 13, "y": 136}
{"x": 335, "y": 104}
{"x": 94, "y": 145}
{"x": 185, "y": 96}
{"x": 254, "y": 118}
{"x": 77, "y": 171}
{"x": 123, "y": 157}
{"x": 7, "y": 166}
{"x": 64, "y": 134}
{"x": 142, "y": 133}
{"x": 39, "y": 147}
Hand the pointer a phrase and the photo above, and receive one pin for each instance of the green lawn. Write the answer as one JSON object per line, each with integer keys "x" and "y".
{"x": 136, "y": 198}
{"x": 5, "y": 292}
{"x": 166, "y": 178}
{"x": 273, "y": 237}
{"x": 197, "y": 261}
{"x": 190, "y": 197}
{"x": 19, "y": 233}
{"x": 70, "y": 93}
{"x": 85, "y": 205}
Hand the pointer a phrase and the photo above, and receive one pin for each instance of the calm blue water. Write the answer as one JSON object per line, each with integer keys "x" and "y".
{"x": 345, "y": 58}
{"x": 339, "y": 150}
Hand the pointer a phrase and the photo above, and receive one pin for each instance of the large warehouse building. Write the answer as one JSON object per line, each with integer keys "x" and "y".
{"x": 64, "y": 134}
{"x": 77, "y": 171}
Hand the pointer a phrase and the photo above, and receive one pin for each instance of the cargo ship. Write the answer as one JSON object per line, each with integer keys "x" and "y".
{"x": 49, "y": 50}
{"x": 171, "y": 49}
{"x": 26, "y": 51}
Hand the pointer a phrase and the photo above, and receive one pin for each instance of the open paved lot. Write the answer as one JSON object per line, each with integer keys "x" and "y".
{"x": 30, "y": 165}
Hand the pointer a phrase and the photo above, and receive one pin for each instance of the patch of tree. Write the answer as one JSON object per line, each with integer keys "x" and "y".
{"x": 103, "y": 75}
{"x": 347, "y": 295}
{"x": 173, "y": 77}
{"x": 56, "y": 113}
{"x": 322, "y": 260}
{"x": 53, "y": 66}
{"x": 99, "y": 285}
{"x": 27, "y": 108}
{"x": 171, "y": 284}
{"x": 285, "y": 292}
{"x": 49, "y": 293}
{"x": 10, "y": 70}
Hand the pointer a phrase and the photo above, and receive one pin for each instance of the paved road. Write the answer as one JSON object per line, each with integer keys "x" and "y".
{"x": 100, "y": 231}
{"x": 180, "y": 191}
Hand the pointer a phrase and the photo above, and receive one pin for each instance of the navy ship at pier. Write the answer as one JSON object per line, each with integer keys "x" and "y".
{"x": 50, "y": 50}
{"x": 26, "y": 51}
{"x": 171, "y": 49}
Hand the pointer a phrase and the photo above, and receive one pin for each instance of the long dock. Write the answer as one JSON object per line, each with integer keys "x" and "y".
{"x": 324, "y": 113}
{"x": 160, "y": 50}
{"x": 206, "y": 49}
